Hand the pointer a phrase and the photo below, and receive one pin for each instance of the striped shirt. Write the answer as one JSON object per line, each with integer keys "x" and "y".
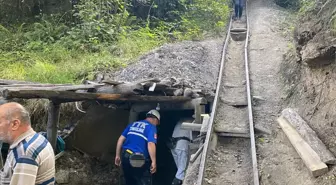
{"x": 30, "y": 161}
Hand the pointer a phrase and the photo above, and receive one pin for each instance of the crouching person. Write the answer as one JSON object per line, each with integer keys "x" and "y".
{"x": 179, "y": 146}
{"x": 31, "y": 158}
{"x": 136, "y": 150}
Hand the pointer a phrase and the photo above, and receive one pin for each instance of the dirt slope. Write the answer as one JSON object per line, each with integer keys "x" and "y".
{"x": 279, "y": 163}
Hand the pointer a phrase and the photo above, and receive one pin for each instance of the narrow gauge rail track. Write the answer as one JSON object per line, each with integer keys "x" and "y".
{"x": 231, "y": 159}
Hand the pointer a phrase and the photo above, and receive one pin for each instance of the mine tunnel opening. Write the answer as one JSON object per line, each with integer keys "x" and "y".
{"x": 98, "y": 131}
{"x": 166, "y": 168}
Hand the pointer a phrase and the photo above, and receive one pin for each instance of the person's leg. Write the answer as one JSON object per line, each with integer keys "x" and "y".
{"x": 174, "y": 154}
{"x": 236, "y": 10}
{"x": 182, "y": 162}
{"x": 241, "y": 7}
{"x": 145, "y": 177}
{"x": 128, "y": 170}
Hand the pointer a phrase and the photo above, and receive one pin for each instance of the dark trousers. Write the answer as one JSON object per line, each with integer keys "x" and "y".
{"x": 135, "y": 176}
{"x": 238, "y": 10}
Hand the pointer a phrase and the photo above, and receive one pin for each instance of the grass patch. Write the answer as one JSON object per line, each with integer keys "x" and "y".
{"x": 55, "y": 50}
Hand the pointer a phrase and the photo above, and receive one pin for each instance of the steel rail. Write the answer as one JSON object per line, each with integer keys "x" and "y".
{"x": 213, "y": 111}
{"x": 250, "y": 111}
{"x": 249, "y": 103}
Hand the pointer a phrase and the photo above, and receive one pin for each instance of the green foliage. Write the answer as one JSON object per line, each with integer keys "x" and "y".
{"x": 306, "y": 6}
{"x": 100, "y": 36}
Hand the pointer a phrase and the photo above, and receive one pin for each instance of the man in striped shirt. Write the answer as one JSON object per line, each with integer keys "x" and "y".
{"x": 30, "y": 159}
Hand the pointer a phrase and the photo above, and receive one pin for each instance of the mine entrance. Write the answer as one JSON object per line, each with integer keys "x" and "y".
{"x": 166, "y": 167}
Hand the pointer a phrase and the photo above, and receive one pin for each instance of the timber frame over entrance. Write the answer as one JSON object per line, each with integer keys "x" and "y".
{"x": 136, "y": 97}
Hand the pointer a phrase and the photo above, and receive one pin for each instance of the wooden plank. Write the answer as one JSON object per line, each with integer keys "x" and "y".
{"x": 69, "y": 96}
{"x": 50, "y": 88}
{"x": 191, "y": 126}
{"x": 53, "y": 119}
{"x": 59, "y": 155}
{"x": 238, "y": 135}
{"x": 307, "y": 154}
{"x": 33, "y": 85}
{"x": 309, "y": 135}
{"x": 196, "y": 154}
{"x": 205, "y": 123}
{"x": 8, "y": 82}
{"x": 199, "y": 110}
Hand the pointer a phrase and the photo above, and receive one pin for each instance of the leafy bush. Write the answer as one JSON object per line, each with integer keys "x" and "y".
{"x": 100, "y": 36}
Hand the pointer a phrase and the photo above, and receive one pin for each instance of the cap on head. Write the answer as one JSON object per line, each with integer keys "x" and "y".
{"x": 154, "y": 113}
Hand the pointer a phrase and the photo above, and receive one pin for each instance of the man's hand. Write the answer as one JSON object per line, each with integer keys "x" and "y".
{"x": 117, "y": 161}
{"x": 153, "y": 168}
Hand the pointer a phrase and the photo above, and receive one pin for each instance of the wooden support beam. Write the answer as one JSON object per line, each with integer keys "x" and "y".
{"x": 199, "y": 110}
{"x": 68, "y": 96}
{"x": 194, "y": 156}
{"x": 133, "y": 116}
{"x": 205, "y": 123}
{"x": 187, "y": 105}
{"x": 19, "y": 87}
{"x": 191, "y": 126}
{"x": 53, "y": 119}
{"x": 59, "y": 155}
{"x": 8, "y": 82}
{"x": 238, "y": 135}
{"x": 309, "y": 135}
{"x": 307, "y": 154}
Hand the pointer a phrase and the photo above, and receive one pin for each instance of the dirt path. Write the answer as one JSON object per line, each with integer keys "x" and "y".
{"x": 279, "y": 164}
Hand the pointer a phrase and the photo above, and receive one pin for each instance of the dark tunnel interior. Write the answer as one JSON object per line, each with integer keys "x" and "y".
{"x": 166, "y": 167}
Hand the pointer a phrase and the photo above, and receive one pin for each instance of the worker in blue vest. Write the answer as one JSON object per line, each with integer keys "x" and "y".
{"x": 136, "y": 150}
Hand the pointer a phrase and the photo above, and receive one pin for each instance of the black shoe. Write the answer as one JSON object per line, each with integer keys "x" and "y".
{"x": 176, "y": 181}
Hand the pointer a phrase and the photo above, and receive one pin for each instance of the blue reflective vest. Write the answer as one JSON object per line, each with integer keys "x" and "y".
{"x": 137, "y": 135}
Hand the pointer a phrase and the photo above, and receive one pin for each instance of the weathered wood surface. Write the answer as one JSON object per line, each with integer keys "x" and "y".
{"x": 69, "y": 96}
{"x": 238, "y": 135}
{"x": 9, "y": 82}
{"x": 50, "y": 88}
{"x": 309, "y": 135}
{"x": 205, "y": 123}
{"x": 307, "y": 154}
{"x": 194, "y": 156}
{"x": 59, "y": 155}
{"x": 191, "y": 126}
{"x": 53, "y": 119}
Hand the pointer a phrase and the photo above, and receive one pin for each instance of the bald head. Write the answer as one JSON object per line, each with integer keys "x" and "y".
{"x": 13, "y": 111}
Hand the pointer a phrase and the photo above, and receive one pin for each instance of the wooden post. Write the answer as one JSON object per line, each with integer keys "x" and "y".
{"x": 199, "y": 110}
{"x": 133, "y": 115}
{"x": 53, "y": 119}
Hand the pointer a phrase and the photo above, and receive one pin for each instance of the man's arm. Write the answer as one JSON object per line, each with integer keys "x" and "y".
{"x": 152, "y": 154}
{"x": 152, "y": 151}
{"x": 120, "y": 142}
{"x": 152, "y": 137}
{"x": 24, "y": 172}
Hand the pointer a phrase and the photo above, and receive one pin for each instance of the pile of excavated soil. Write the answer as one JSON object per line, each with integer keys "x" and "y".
{"x": 74, "y": 168}
{"x": 197, "y": 63}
